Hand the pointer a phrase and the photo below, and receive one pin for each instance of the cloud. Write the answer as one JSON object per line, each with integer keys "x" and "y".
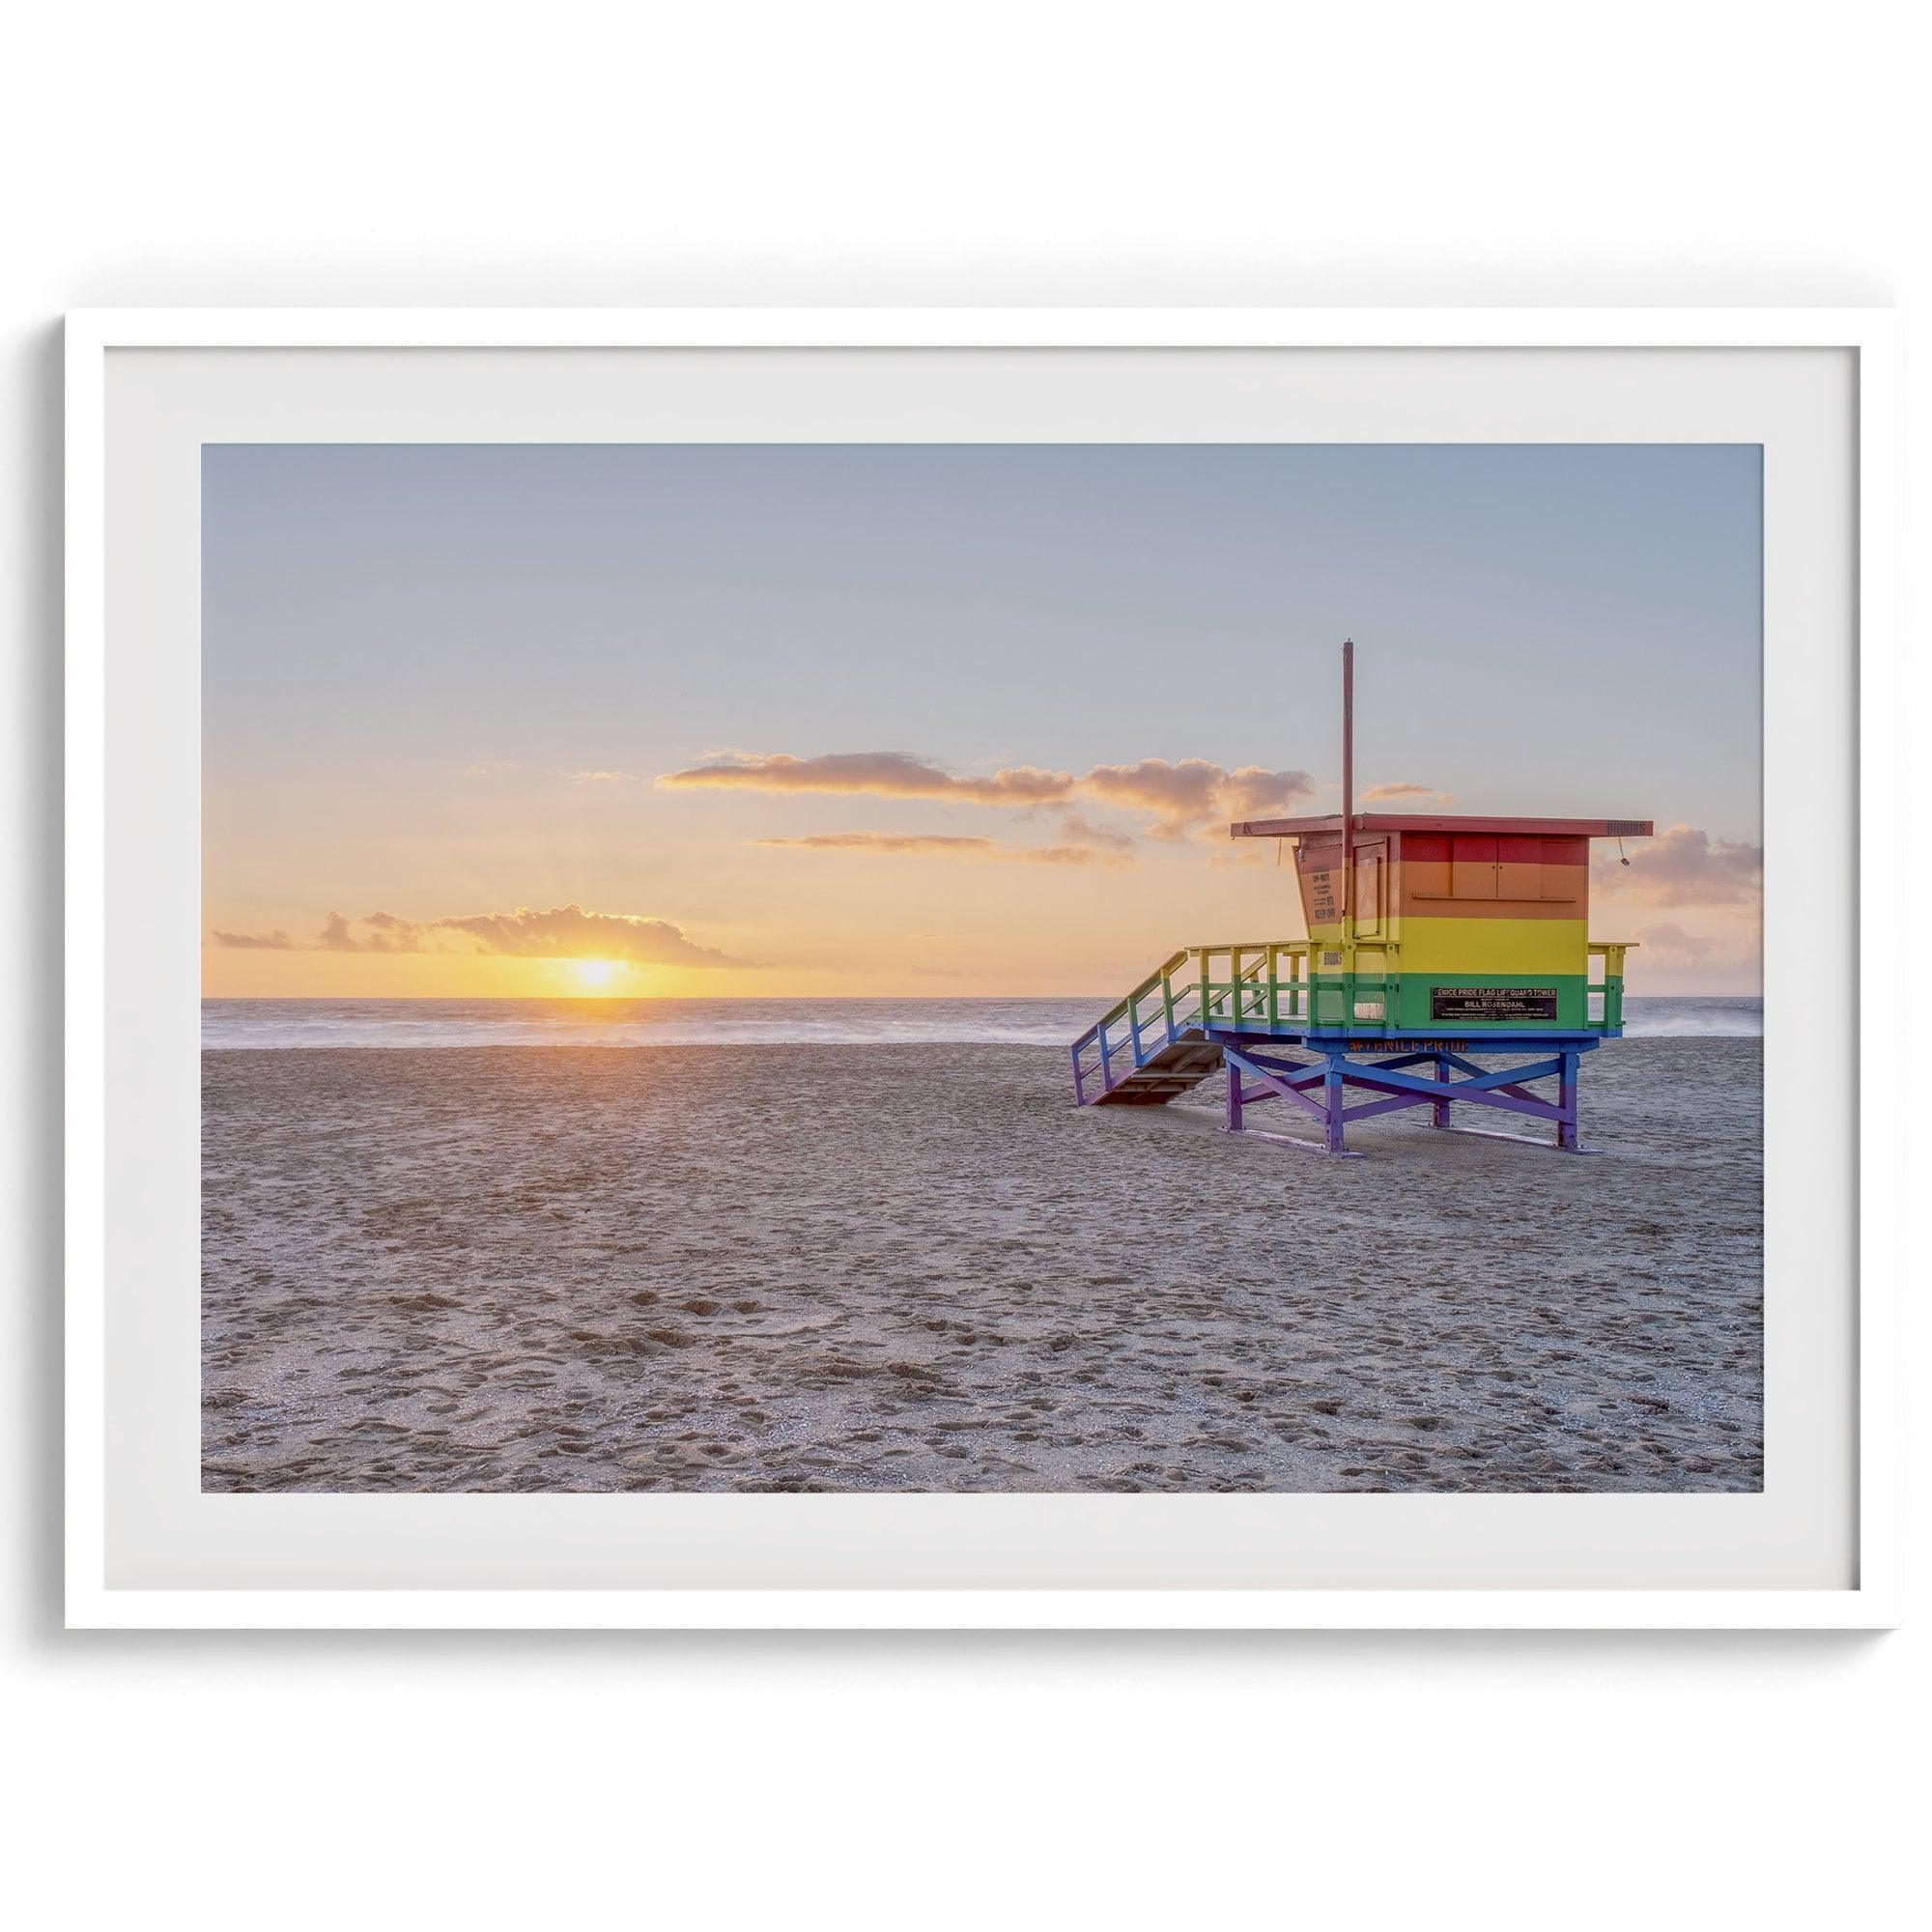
{"x": 382, "y": 932}
{"x": 888, "y": 841}
{"x": 277, "y": 940}
{"x": 1181, "y": 797}
{"x": 1194, "y": 793}
{"x": 1253, "y": 791}
{"x": 1378, "y": 794}
{"x": 602, "y": 778}
{"x": 1178, "y": 795}
{"x": 1077, "y": 829}
{"x": 1669, "y": 945}
{"x": 873, "y": 774}
{"x": 1683, "y": 866}
{"x": 562, "y": 932}
{"x": 947, "y": 845}
{"x": 491, "y": 768}
{"x": 391, "y": 934}
{"x": 570, "y": 932}
{"x": 1724, "y": 956}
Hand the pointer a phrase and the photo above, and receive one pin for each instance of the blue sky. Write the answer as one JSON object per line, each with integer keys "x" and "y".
{"x": 392, "y": 631}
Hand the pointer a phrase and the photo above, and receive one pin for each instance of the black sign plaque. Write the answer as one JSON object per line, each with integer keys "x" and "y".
{"x": 1492, "y": 1003}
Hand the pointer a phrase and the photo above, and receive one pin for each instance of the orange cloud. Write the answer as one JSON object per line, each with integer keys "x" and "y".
{"x": 877, "y": 774}
{"x": 1186, "y": 796}
{"x": 569, "y": 931}
{"x": 1253, "y": 791}
{"x": 561, "y": 932}
{"x": 1077, "y": 829}
{"x": 1378, "y": 794}
{"x": 1181, "y": 797}
{"x": 383, "y": 932}
{"x": 951, "y": 847}
{"x": 886, "y": 842}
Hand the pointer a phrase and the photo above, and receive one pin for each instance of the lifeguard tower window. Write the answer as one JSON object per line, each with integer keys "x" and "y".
{"x": 1368, "y": 906}
{"x": 1521, "y": 870}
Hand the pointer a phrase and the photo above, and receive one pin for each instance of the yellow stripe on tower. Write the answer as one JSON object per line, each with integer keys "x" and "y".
{"x": 1495, "y": 944}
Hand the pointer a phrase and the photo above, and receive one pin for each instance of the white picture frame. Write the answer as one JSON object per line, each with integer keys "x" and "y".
{"x": 1869, "y": 1595}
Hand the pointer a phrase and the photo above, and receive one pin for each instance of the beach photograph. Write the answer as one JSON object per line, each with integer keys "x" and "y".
{"x": 994, "y": 968}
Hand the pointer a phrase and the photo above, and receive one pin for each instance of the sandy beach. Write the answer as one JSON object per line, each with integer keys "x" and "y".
{"x": 921, "y": 1269}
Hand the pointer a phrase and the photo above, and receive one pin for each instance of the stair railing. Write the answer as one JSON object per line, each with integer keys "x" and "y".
{"x": 1146, "y": 1033}
{"x": 1183, "y": 994}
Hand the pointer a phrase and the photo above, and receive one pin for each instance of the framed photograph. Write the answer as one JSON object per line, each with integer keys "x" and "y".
{"x": 984, "y": 967}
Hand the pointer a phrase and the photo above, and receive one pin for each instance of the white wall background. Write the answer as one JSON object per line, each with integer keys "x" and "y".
{"x": 837, "y": 153}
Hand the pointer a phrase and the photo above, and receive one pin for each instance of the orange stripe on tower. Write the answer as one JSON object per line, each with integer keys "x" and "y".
{"x": 1428, "y": 888}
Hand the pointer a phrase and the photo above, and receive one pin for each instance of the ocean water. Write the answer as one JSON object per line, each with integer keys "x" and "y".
{"x": 323, "y": 1023}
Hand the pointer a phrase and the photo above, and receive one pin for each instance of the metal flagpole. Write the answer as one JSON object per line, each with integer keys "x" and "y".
{"x": 1348, "y": 788}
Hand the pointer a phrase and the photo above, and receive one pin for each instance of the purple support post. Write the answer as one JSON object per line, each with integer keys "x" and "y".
{"x": 1440, "y": 1108}
{"x": 1233, "y": 1098}
{"x": 1331, "y": 1100}
{"x": 1566, "y": 1098}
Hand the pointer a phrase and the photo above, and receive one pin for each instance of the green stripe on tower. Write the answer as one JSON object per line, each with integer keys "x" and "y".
{"x": 1416, "y": 1000}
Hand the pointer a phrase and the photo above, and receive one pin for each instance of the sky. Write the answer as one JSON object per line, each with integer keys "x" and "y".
{"x": 768, "y": 720}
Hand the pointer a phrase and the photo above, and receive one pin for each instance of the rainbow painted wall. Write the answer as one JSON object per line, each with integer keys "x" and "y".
{"x": 1471, "y": 926}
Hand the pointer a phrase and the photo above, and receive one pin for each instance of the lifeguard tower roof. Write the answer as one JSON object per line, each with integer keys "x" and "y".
{"x": 1411, "y": 821}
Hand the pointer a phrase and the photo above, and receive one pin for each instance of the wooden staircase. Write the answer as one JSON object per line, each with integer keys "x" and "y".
{"x": 1165, "y": 1074}
{"x": 1161, "y": 1040}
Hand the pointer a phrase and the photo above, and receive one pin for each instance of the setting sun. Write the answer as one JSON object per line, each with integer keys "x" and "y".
{"x": 595, "y": 974}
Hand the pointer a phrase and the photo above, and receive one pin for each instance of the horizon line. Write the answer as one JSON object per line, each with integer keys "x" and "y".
{"x": 743, "y": 998}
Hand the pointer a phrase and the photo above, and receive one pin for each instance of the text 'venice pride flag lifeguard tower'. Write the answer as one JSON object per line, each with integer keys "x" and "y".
{"x": 1429, "y": 939}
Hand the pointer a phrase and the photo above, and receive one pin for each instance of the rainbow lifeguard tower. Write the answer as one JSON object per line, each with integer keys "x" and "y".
{"x": 1431, "y": 939}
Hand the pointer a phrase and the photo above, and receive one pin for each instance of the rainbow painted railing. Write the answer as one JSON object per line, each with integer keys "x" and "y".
{"x": 1262, "y": 986}
{"x": 1189, "y": 992}
{"x": 1606, "y": 990}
